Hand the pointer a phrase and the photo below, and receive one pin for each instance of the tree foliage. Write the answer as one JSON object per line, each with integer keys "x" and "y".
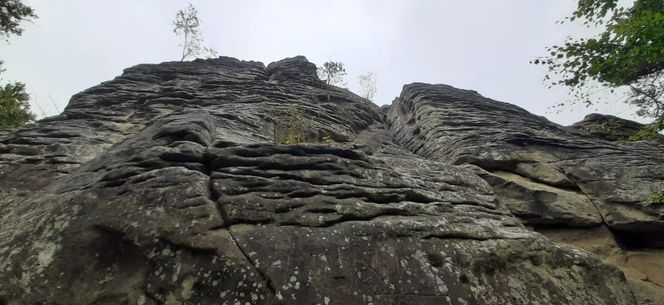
{"x": 14, "y": 107}
{"x": 650, "y": 131}
{"x": 368, "y": 87}
{"x": 12, "y": 13}
{"x": 627, "y": 53}
{"x": 187, "y": 26}
{"x": 333, "y": 73}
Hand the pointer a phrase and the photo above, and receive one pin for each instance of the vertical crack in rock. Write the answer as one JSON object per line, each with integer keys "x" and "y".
{"x": 599, "y": 212}
{"x": 266, "y": 279}
{"x": 213, "y": 194}
{"x": 214, "y": 197}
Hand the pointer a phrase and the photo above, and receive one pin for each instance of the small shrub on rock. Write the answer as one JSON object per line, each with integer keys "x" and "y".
{"x": 657, "y": 197}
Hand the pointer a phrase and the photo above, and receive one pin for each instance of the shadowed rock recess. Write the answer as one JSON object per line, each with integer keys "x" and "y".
{"x": 165, "y": 186}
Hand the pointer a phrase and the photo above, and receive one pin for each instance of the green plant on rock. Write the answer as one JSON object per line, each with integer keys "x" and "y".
{"x": 649, "y": 132}
{"x": 292, "y": 129}
{"x": 657, "y": 197}
{"x": 609, "y": 127}
{"x": 295, "y": 130}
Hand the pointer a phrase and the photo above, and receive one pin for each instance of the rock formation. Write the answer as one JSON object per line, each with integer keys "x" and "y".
{"x": 573, "y": 187}
{"x": 165, "y": 186}
{"x": 609, "y": 127}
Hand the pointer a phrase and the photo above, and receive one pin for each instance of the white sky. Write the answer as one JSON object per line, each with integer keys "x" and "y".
{"x": 483, "y": 45}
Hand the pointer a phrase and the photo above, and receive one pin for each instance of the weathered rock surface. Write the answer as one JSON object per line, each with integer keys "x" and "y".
{"x": 547, "y": 175}
{"x": 165, "y": 186}
{"x": 609, "y": 127}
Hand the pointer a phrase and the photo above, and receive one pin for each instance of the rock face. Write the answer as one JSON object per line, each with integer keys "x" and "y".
{"x": 608, "y": 127}
{"x": 165, "y": 186}
{"x": 553, "y": 178}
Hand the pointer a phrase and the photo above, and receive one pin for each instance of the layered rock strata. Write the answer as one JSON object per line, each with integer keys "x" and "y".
{"x": 168, "y": 185}
{"x": 557, "y": 180}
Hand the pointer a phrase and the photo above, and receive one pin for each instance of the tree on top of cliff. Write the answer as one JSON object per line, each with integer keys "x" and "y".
{"x": 367, "y": 84}
{"x": 187, "y": 26}
{"x": 333, "y": 73}
{"x": 628, "y": 53}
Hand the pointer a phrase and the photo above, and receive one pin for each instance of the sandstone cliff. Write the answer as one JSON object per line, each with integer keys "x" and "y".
{"x": 165, "y": 186}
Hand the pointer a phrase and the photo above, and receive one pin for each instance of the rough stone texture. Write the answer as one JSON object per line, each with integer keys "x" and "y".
{"x": 609, "y": 127}
{"x": 644, "y": 268}
{"x": 165, "y": 186}
{"x": 547, "y": 175}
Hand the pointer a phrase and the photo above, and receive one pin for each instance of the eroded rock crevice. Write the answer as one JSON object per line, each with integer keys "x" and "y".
{"x": 266, "y": 280}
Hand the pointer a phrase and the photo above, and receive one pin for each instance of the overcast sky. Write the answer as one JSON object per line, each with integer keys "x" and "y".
{"x": 483, "y": 45}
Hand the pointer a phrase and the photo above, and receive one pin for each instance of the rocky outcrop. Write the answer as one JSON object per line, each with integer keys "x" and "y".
{"x": 609, "y": 127}
{"x": 547, "y": 175}
{"x": 165, "y": 186}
